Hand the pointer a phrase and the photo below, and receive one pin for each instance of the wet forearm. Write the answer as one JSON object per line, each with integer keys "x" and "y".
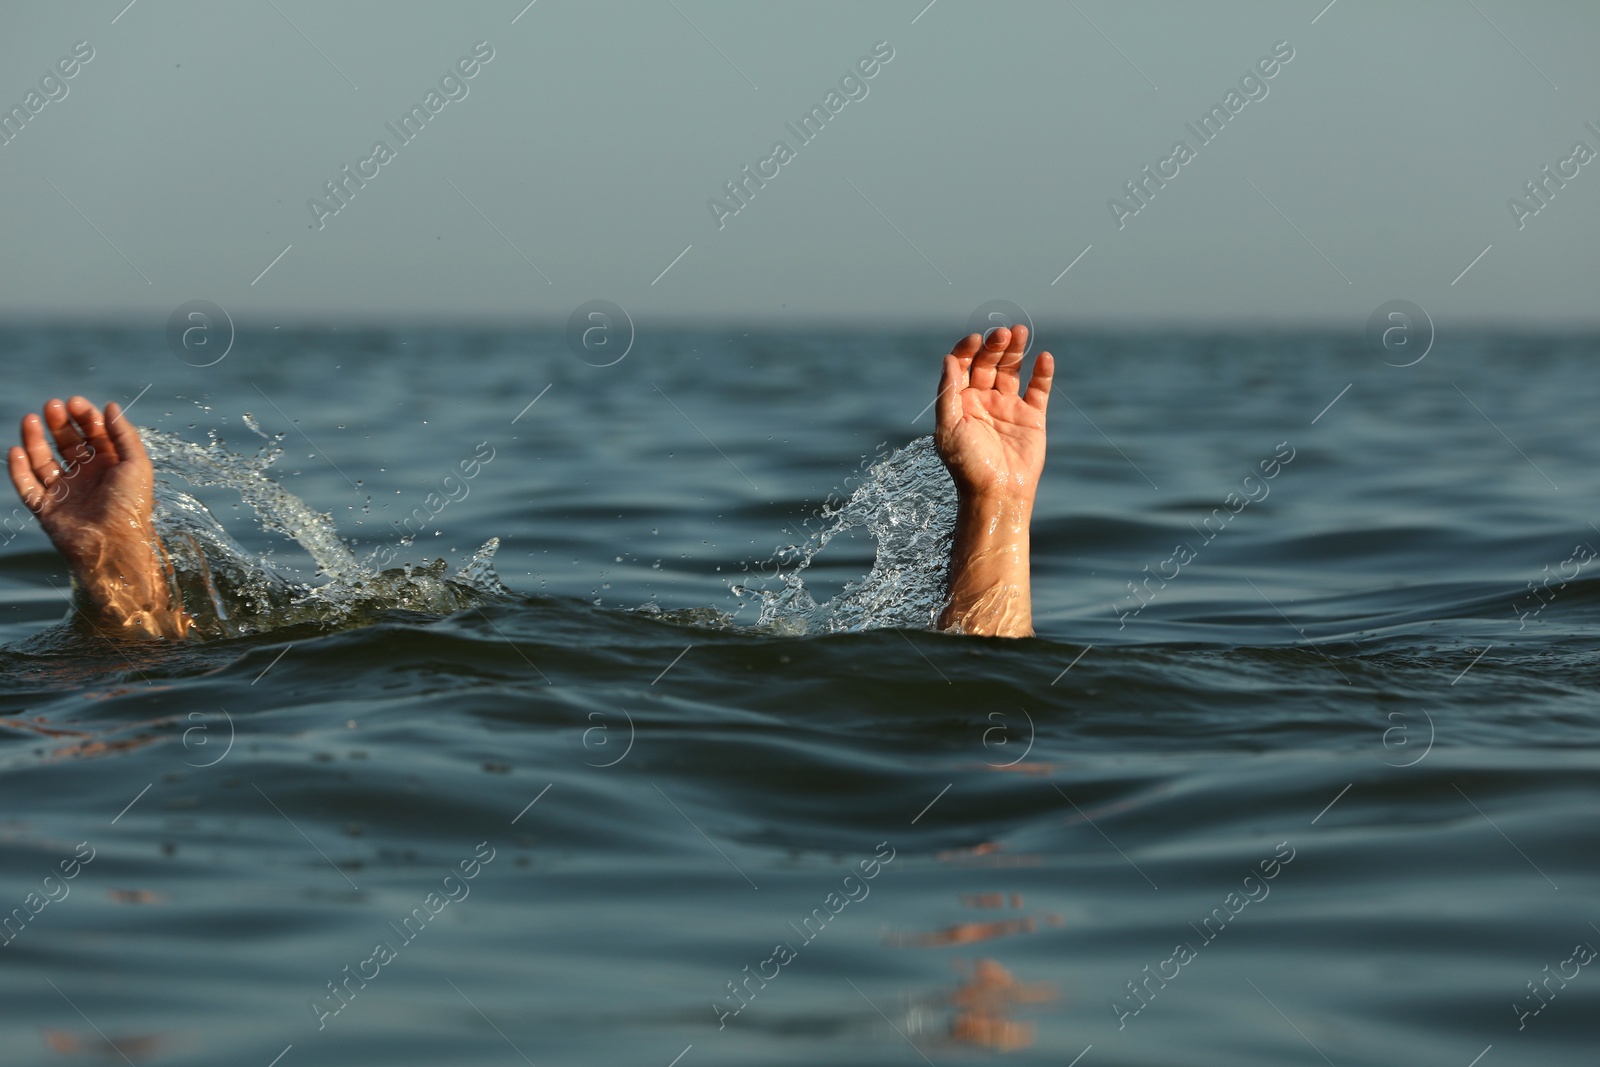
{"x": 123, "y": 590}
{"x": 989, "y": 590}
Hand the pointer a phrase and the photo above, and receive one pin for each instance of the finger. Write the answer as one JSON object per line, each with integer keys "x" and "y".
{"x": 40, "y": 458}
{"x": 68, "y": 440}
{"x": 947, "y": 405}
{"x": 967, "y": 347}
{"x": 123, "y": 435}
{"x": 92, "y": 424}
{"x": 1044, "y": 372}
{"x": 22, "y": 479}
{"x": 1008, "y": 372}
{"x": 964, "y": 350}
{"x": 988, "y": 357}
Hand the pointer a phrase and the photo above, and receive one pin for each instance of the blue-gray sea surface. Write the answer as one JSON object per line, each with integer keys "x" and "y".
{"x": 1320, "y": 785}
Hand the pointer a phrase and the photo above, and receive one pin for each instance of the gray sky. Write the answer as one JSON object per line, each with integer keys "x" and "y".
{"x": 978, "y": 165}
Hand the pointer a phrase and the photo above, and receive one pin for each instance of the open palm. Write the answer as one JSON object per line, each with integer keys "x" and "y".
{"x": 103, "y": 481}
{"x": 990, "y": 434}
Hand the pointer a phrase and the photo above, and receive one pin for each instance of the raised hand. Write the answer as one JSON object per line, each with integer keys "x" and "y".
{"x": 94, "y": 497}
{"x": 991, "y": 438}
{"x": 991, "y": 435}
{"x": 93, "y": 485}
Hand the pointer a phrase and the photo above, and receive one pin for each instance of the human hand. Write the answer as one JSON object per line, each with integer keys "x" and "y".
{"x": 101, "y": 486}
{"x": 991, "y": 435}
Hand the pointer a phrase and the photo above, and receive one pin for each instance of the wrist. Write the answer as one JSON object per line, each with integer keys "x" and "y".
{"x": 123, "y": 587}
{"x": 993, "y": 516}
{"x": 988, "y": 590}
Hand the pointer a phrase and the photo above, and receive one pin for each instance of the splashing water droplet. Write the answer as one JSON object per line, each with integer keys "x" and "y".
{"x": 246, "y": 593}
{"x": 907, "y": 502}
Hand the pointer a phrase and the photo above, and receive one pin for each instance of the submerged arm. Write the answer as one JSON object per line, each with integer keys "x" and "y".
{"x": 991, "y": 437}
{"x": 989, "y": 582}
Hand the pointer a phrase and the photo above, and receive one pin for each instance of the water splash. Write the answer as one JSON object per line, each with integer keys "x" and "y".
{"x": 907, "y": 502}
{"x": 231, "y": 591}
{"x": 277, "y": 509}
